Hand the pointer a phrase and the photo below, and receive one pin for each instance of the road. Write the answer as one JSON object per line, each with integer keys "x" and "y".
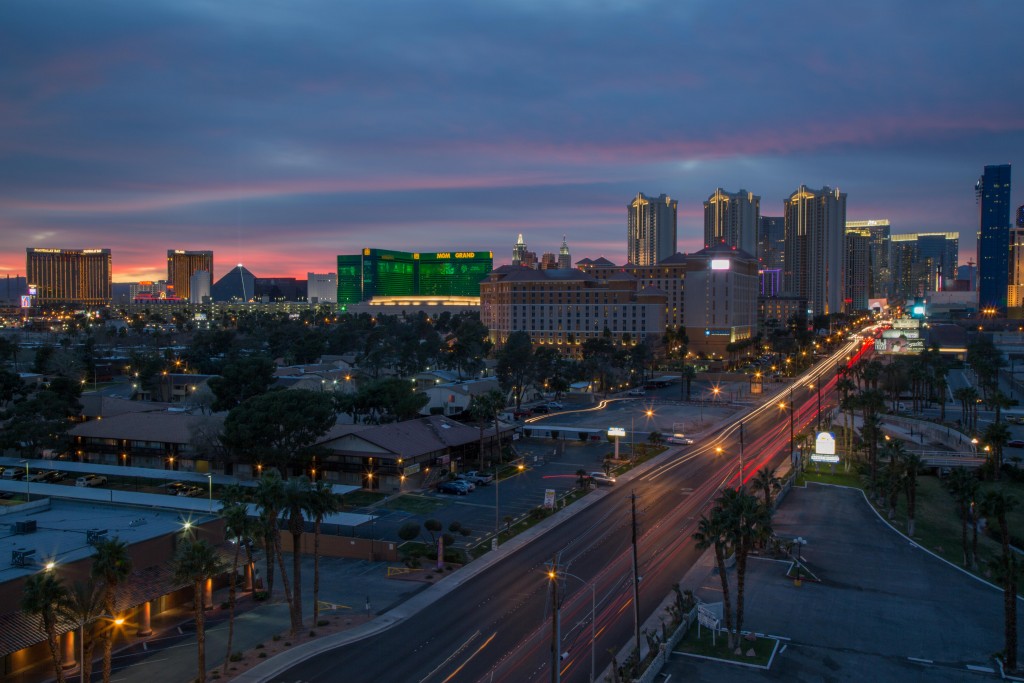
{"x": 497, "y": 625}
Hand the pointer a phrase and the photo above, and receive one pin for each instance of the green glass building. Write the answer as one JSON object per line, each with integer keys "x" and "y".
{"x": 381, "y": 272}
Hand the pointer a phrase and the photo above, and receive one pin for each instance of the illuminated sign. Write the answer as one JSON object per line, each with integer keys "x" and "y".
{"x": 896, "y": 334}
{"x": 818, "y": 457}
{"x": 411, "y": 469}
{"x": 458, "y": 254}
{"x": 32, "y": 290}
{"x": 616, "y": 431}
{"x": 179, "y": 251}
{"x": 825, "y": 443}
{"x": 47, "y": 251}
{"x": 720, "y": 264}
{"x": 26, "y": 301}
{"x": 92, "y": 251}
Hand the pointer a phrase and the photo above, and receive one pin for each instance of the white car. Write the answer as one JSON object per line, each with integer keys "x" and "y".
{"x": 602, "y": 479}
{"x": 91, "y": 480}
{"x": 555, "y": 405}
{"x": 637, "y": 392}
{"x": 680, "y": 439}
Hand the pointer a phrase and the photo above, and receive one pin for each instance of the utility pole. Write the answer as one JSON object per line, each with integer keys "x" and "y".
{"x": 556, "y": 624}
{"x": 741, "y": 454}
{"x": 792, "y": 441}
{"x": 636, "y": 580}
{"x": 819, "y": 401}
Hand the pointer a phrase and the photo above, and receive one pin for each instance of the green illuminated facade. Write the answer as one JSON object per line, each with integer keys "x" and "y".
{"x": 380, "y": 272}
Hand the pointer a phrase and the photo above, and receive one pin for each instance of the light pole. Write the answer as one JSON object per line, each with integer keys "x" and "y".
{"x": 800, "y": 543}
{"x": 741, "y": 453}
{"x": 553, "y": 575}
{"x": 209, "y": 478}
{"x": 819, "y": 401}
{"x": 117, "y": 621}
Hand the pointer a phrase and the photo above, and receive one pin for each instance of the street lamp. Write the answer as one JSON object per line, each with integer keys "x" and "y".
{"x": 554, "y": 576}
{"x": 800, "y": 542}
{"x": 209, "y": 478}
{"x": 117, "y": 621}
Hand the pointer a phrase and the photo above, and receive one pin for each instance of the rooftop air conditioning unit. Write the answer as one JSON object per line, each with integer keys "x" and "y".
{"x": 27, "y": 526}
{"x": 94, "y": 536}
{"x": 22, "y": 557}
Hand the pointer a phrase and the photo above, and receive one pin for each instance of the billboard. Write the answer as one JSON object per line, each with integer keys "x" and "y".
{"x": 896, "y": 334}
{"x": 719, "y": 264}
{"x": 899, "y": 345}
{"x": 825, "y": 448}
{"x": 26, "y": 301}
{"x": 878, "y": 304}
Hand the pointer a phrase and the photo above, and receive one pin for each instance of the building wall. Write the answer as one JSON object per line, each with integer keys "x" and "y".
{"x": 323, "y": 287}
{"x": 733, "y": 219}
{"x": 667, "y": 276}
{"x": 69, "y": 276}
{"x": 771, "y": 247}
{"x": 721, "y": 299}
{"x": 650, "y": 229}
{"x": 993, "y": 191}
{"x": 815, "y": 226}
{"x": 858, "y": 269}
{"x": 386, "y": 273}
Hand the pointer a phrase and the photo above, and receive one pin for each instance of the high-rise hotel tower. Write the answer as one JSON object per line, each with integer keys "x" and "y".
{"x": 182, "y": 265}
{"x": 650, "y": 229}
{"x": 80, "y": 277}
{"x": 815, "y": 239}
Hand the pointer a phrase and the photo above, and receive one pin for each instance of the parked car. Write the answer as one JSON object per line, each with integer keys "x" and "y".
{"x": 175, "y": 487}
{"x": 638, "y": 391}
{"x": 555, "y": 405}
{"x": 15, "y": 473}
{"x": 679, "y": 439}
{"x": 540, "y": 410}
{"x": 602, "y": 479}
{"x": 191, "y": 491}
{"x": 521, "y": 414}
{"x": 452, "y": 487}
{"x": 478, "y": 478}
{"x": 38, "y": 475}
{"x": 1016, "y": 443}
{"x": 91, "y": 480}
{"x": 53, "y": 476}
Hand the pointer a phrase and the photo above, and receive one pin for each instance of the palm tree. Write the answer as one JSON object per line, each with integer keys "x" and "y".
{"x": 235, "y": 512}
{"x": 894, "y": 472}
{"x": 963, "y": 486}
{"x": 711, "y": 533}
{"x": 748, "y": 523}
{"x": 687, "y": 374}
{"x": 999, "y": 400}
{"x": 195, "y": 562}
{"x": 912, "y": 467}
{"x": 997, "y": 504}
{"x": 484, "y": 409}
{"x": 997, "y": 435}
{"x": 84, "y": 605}
{"x": 767, "y": 483}
{"x": 43, "y": 596}
{"x": 582, "y": 479}
{"x": 296, "y": 503}
{"x": 110, "y": 567}
{"x": 322, "y": 502}
{"x": 268, "y": 497}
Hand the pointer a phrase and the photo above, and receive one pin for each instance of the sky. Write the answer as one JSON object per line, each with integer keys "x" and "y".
{"x": 280, "y": 133}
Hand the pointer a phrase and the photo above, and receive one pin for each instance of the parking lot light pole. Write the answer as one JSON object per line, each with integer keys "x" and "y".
{"x": 209, "y": 477}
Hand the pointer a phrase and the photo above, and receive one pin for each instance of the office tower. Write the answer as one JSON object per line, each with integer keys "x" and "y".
{"x": 182, "y": 264}
{"x": 381, "y": 272}
{"x": 720, "y": 298}
{"x": 732, "y": 219}
{"x": 12, "y": 288}
{"x": 200, "y": 286}
{"x": 650, "y": 229}
{"x": 518, "y": 251}
{"x": 815, "y": 237}
{"x": 771, "y": 246}
{"x": 69, "y": 276}
{"x": 515, "y": 299}
{"x": 548, "y": 261}
{"x": 993, "y": 194}
{"x": 322, "y": 288}
{"x": 565, "y": 259}
{"x": 879, "y": 250}
{"x": 923, "y": 262}
{"x": 1020, "y": 216}
{"x": 858, "y": 268}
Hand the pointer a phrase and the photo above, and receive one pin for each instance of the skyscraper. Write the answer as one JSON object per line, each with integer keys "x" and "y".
{"x": 181, "y": 265}
{"x": 879, "y": 249}
{"x": 771, "y": 242}
{"x": 564, "y": 257}
{"x": 69, "y": 276}
{"x": 650, "y": 229}
{"x": 923, "y": 262}
{"x": 815, "y": 227}
{"x": 858, "y": 268}
{"x": 518, "y": 251}
{"x": 993, "y": 194}
{"x": 732, "y": 219}
{"x": 1015, "y": 290}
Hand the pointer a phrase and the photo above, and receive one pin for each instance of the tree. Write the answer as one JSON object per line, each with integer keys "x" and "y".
{"x": 912, "y": 467}
{"x": 894, "y": 473}
{"x": 996, "y": 435}
{"x": 687, "y": 374}
{"x": 382, "y": 401}
{"x": 83, "y": 606}
{"x": 516, "y": 368}
{"x": 747, "y": 525}
{"x": 111, "y": 566}
{"x": 767, "y": 483}
{"x": 269, "y": 499}
{"x": 235, "y": 511}
{"x": 322, "y": 502}
{"x": 195, "y": 562}
{"x": 240, "y": 379}
{"x": 582, "y": 479}
{"x": 279, "y": 428}
{"x": 484, "y": 409}
{"x": 963, "y": 486}
{"x": 296, "y": 503}
{"x": 997, "y": 504}
{"x": 44, "y": 595}
{"x": 712, "y": 532}
{"x": 409, "y": 530}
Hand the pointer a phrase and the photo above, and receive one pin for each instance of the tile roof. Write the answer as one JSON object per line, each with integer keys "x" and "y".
{"x": 160, "y": 427}
{"x": 415, "y": 437}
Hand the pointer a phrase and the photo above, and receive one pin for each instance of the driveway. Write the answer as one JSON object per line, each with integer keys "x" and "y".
{"x": 885, "y": 609}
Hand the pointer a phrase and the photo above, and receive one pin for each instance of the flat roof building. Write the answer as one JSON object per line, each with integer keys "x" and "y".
{"x": 386, "y": 273}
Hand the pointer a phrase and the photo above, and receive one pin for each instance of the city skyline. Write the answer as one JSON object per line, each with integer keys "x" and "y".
{"x": 281, "y": 137}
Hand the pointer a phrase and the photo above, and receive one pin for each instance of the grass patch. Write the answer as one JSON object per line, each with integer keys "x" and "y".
{"x": 717, "y": 646}
{"x": 358, "y": 499}
{"x": 414, "y": 504}
{"x": 840, "y": 478}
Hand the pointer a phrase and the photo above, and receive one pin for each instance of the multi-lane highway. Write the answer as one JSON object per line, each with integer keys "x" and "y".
{"x": 497, "y": 626}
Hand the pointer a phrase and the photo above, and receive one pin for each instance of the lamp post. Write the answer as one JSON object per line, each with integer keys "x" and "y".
{"x": 209, "y": 478}
{"x": 117, "y": 621}
{"x": 800, "y": 543}
{"x": 554, "y": 575}
{"x": 819, "y": 400}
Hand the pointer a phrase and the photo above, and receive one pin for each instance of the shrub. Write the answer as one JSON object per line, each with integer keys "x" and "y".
{"x": 312, "y": 634}
{"x": 259, "y": 646}
{"x": 262, "y": 655}
{"x": 225, "y": 605}
{"x": 287, "y": 643}
{"x": 260, "y": 595}
{"x": 235, "y": 657}
{"x": 277, "y": 638}
{"x": 322, "y": 622}
{"x": 409, "y": 531}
